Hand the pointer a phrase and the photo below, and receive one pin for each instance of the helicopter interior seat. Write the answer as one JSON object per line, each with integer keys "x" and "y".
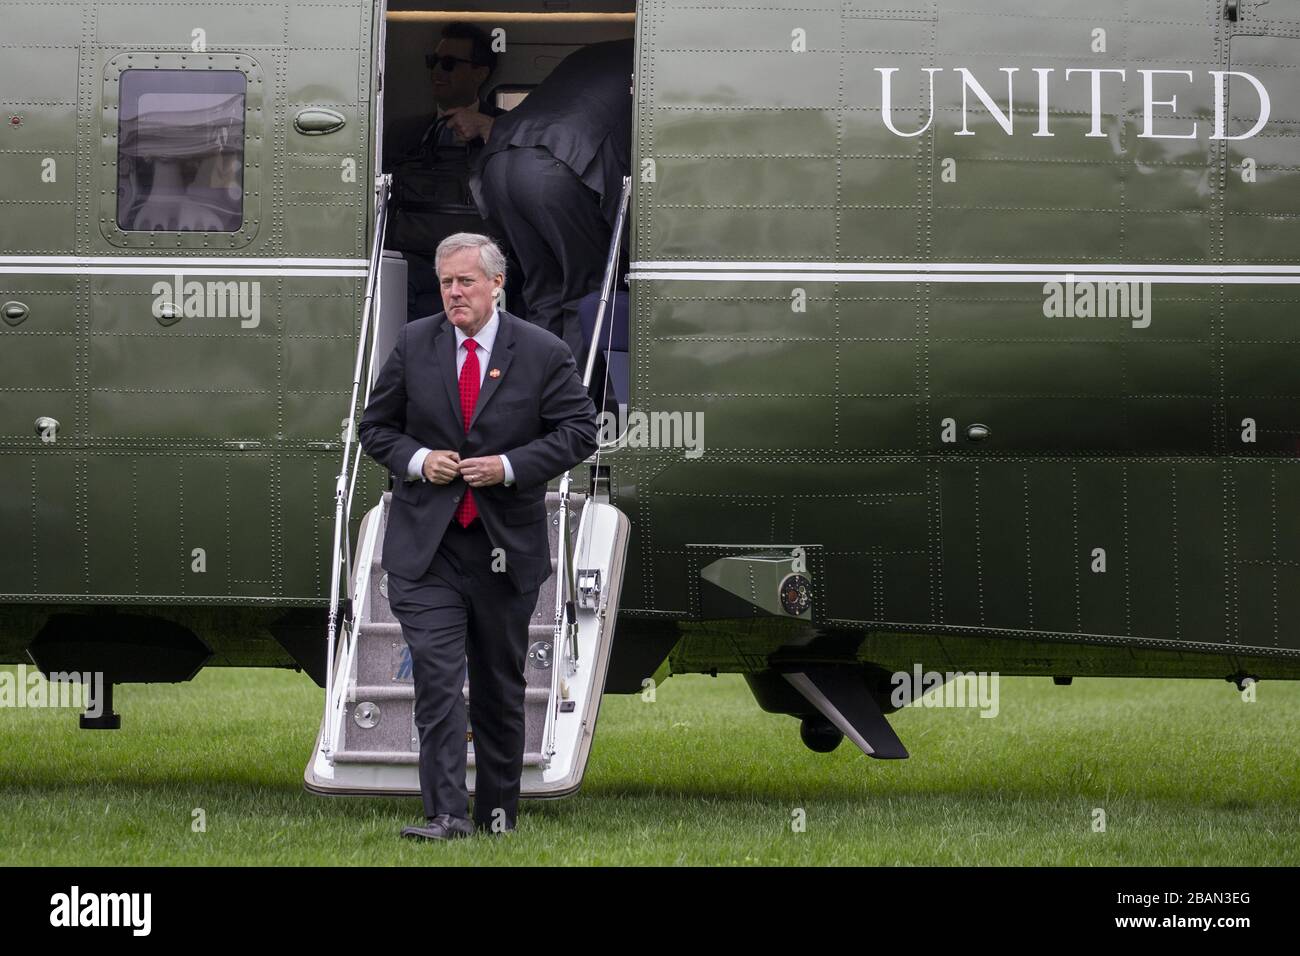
{"x": 211, "y": 202}
{"x": 614, "y": 337}
{"x": 507, "y": 96}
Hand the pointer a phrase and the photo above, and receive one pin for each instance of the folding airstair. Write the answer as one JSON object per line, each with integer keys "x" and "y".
{"x": 368, "y": 743}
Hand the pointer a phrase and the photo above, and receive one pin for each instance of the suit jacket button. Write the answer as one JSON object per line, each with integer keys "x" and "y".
{"x": 455, "y": 498}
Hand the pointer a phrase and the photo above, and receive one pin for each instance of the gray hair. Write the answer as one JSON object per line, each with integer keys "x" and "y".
{"x": 490, "y": 257}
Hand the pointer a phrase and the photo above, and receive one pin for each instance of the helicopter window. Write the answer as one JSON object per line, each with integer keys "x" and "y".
{"x": 181, "y": 151}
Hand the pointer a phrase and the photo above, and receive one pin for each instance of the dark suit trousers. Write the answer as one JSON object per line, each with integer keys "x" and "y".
{"x": 461, "y": 610}
{"x": 555, "y": 227}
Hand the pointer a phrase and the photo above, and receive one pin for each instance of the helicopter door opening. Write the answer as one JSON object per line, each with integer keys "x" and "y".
{"x": 426, "y": 53}
{"x": 368, "y": 741}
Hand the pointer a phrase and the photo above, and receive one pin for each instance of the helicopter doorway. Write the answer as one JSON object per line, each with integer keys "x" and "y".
{"x": 438, "y": 191}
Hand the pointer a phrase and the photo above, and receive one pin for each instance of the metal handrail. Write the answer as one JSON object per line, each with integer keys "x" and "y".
{"x": 566, "y": 614}
{"x": 566, "y": 590}
{"x": 345, "y": 484}
{"x": 606, "y": 291}
{"x": 607, "y": 286}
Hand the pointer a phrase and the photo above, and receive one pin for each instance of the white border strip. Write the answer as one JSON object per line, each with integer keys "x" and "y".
{"x": 1087, "y": 268}
{"x": 1033, "y": 278}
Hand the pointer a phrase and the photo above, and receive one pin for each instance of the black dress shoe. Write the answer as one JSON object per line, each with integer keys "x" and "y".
{"x": 442, "y": 827}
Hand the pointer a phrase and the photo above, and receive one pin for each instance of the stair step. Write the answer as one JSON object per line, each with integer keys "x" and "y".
{"x": 377, "y": 568}
{"x": 393, "y": 631}
{"x": 532, "y": 695}
{"x": 380, "y": 655}
{"x": 401, "y": 758}
{"x": 389, "y": 629}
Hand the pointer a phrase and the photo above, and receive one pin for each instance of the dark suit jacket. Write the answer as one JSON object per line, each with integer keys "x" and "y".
{"x": 582, "y": 114}
{"x": 402, "y": 137}
{"x": 536, "y": 412}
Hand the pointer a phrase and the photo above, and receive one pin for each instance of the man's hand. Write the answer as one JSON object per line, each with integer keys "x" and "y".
{"x": 481, "y": 472}
{"x": 441, "y": 467}
{"x": 469, "y": 124}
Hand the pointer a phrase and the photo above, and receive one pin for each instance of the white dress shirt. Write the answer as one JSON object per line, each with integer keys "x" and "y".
{"x": 486, "y": 339}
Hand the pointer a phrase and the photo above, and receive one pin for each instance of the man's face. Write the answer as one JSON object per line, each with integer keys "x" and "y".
{"x": 460, "y": 85}
{"x": 468, "y": 293}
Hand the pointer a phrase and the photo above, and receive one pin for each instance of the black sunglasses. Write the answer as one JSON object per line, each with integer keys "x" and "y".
{"x": 448, "y": 63}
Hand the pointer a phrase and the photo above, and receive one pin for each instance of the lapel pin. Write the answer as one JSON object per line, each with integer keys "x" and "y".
{"x": 495, "y": 373}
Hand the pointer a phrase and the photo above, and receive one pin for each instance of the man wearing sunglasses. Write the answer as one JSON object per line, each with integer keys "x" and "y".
{"x": 431, "y": 162}
{"x": 460, "y": 65}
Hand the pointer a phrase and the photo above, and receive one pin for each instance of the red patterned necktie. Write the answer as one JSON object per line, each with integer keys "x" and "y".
{"x": 467, "y": 510}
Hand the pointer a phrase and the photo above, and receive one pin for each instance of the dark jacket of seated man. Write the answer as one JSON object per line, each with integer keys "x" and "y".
{"x": 532, "y": 409}
{"x": 415, "y": 136}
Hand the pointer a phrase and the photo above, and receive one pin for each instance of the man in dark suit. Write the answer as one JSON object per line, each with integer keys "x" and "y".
{"x": 473, "y": 413}
{"x": 551, "y": 176}
{"x": 459, "y": 67}
{"x": 431, "y": 158}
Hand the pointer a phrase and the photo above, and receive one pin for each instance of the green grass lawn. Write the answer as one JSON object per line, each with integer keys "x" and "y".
{"x": 1185, "y": 771}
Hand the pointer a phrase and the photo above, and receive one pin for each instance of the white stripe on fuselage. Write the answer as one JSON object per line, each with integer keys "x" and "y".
{"x": 182, "y": 261}
{"x": 173, "y": 270}
{"x": 964, "y": 267}
{"x": 981, "y": 272}
{"x": 983, "y": 277}
{"x": 191, "y": 266}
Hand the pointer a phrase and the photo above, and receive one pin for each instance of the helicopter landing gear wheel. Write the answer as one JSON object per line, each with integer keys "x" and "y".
{"x": 819, "y": 734}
